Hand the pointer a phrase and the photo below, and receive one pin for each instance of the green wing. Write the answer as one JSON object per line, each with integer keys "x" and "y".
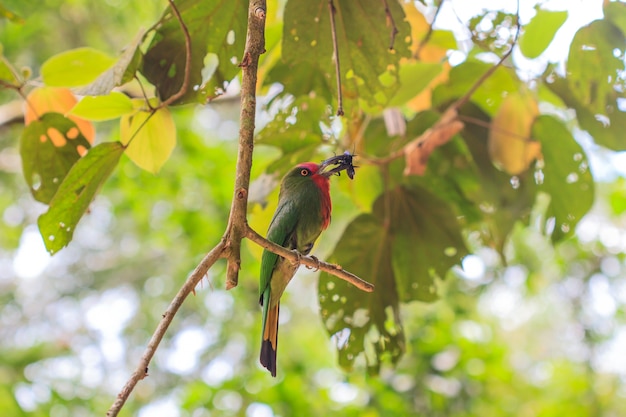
{"x": 281, "y": 230}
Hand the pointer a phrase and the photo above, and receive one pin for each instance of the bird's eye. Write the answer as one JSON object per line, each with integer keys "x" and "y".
{"x": 304, "y": 172}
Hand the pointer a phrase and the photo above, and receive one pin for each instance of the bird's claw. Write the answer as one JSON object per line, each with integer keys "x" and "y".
{"x": 298, "y": 258}
{"x": 317, "y": 266}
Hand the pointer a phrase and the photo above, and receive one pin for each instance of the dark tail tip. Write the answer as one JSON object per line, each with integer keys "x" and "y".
{"x": 268, "y": 357}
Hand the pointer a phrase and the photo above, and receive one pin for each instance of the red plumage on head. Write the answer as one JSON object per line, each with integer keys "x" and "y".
{"x": 323, "y": 184}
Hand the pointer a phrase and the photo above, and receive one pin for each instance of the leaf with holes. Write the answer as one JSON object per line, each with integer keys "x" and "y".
{"x": 369, "y": 69}
{"x": 55, "y": 100}
{"x": 296, "y": 131}
{"x": 49, "y": 147}
{"x": 75, "y": 194}
{"x": 403, "y": 260}
{"x": 150, "y": 137}
{"x": 564, "y": 175}
{"x": 218, "y": 28}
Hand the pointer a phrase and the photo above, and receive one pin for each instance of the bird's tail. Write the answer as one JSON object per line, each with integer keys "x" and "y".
{"x": 270, "y": 337}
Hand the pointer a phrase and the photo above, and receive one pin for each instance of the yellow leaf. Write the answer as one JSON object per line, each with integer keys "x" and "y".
{"x": 150, "y": 138}
{"x": 510, "y": 146}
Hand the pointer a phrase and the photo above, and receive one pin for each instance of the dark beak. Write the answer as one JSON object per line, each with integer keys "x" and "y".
{"x": 339, "y": 165}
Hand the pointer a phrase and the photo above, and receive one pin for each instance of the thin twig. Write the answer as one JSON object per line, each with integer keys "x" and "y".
{"x": 255, "y": 46}
{"x": 451, "y": 112}
{"x": 426, "y": 38}
{"x": 142, "y": 368}
{"x": 310, "y": 261}
{"x": 482, "y": 123}
{"x": 333, "y": 30}
{"x": 183, "y": 88}
{"x": 460, "y": 102}
{"x": 392, "y": 22}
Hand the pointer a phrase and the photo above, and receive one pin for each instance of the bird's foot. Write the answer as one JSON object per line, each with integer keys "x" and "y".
{"x": 317, "y": 266}
{"x": 298, "y": 258}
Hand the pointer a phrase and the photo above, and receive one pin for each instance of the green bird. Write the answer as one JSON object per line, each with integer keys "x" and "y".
{"x": 303, "y": 212}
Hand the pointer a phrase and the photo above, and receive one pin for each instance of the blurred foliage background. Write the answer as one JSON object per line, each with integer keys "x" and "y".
{"x": 521, "y": 327}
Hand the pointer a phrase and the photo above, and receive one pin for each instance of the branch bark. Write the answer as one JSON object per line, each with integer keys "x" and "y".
{"x": 309, "y": 261}
{"x": 142, "y": 368}
{"x": 237, "y": 228}
{"x": 237, "y": 222}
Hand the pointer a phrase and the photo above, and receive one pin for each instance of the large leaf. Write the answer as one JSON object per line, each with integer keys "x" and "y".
{"x": 540, "y": 31}
{"x": 411, "y": 239}
{"x": 565, "y": 176}
{"x": 75, "y": 67}
{"x": 593, "y": 69}
{"x": 606, "y": 129}
{"x": 488, "y": 96}
{"x": 75, "y": 194}
{"x": 215, "y": 26}
{"x": 502, "y": 199}
{"x": 49, "y": 147}
{"x": 296, "y": 131}
{"x": 122, "y": 72}
{"x": 369, "y": 69}
{"x": 150, "y": 137}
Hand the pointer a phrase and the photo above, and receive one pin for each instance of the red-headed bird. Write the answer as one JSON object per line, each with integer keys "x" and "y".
{"x": 303, "y": 212}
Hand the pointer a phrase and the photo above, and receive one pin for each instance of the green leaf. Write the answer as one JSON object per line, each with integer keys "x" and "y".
{"x": 501, "y": 204}
{"x": 488, "y": 96}
{"x": 151, "y": 138}
{"x": 363, "y": 37}
{"x": 369, "y": 322}
{"x": 215, "y": 26}
{"x": 296, "y": 131}
{"x": 593, "y": 69}
{"x": 606, "y": 129}
{"x": 403, "y": 259}
{"x": 49, "y": 147}
{"x": 426, "y": 240}
{"x": 122, "y": 72}
{"x": 414, "y": 77}
{"x": 75, "y": 194}
{"x": 565, "y": 176}
{"x": 540, "y": 31}
{"x": 615, "y": 12}
{"x": 103, "y": 107}
{"x": 75, "y": 67}
{"x": 9, "y": 15}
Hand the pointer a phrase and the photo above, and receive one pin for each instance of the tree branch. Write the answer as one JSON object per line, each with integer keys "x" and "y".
{"x": 142, "y": 368}
{"x": 333, "y": 30}
{"x": 309, "y": 261}
{"x": 424, "y": 41}
{"x": 450, "y": 115}
{"x": 390, "y": 22}
{"x": 237, "y": 222}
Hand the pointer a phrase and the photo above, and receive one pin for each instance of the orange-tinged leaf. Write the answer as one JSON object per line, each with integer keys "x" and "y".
{"x": 150, "y": 138}
{"x": 510, "y": 147}
{"x": 55, "y": 100}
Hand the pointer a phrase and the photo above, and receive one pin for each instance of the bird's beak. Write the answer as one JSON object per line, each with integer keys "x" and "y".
{"x": 335, "y": 160}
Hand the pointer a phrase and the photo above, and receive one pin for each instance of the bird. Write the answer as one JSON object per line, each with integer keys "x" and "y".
{"x": 303, "y": 212}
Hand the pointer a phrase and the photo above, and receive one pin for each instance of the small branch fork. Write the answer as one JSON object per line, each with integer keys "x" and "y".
{"x": 450, "y": 115}
{"x": 237, "y": 228}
